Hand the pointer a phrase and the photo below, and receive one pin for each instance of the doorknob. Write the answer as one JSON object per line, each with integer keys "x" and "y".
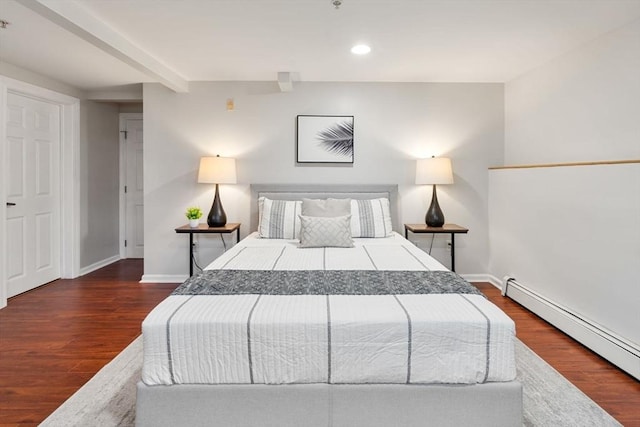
{"x": 10, "y": 204}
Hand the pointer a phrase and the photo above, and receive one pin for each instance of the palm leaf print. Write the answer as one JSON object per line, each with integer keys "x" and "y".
{"x": 338, "y": 139}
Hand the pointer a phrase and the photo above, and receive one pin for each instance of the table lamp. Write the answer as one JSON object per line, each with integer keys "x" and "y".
{"x": 433, "y": 171}
{"x": 217, "y": 170}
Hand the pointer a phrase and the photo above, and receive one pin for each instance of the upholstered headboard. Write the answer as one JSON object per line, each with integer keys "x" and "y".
{"x": 322, "y": 191}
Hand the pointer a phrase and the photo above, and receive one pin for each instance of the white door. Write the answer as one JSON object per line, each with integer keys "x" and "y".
{"x": 33, "y": 193}
{"x": 134, "y": 194}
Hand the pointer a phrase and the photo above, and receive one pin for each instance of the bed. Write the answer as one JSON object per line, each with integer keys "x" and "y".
{"x": 377, "y": 334}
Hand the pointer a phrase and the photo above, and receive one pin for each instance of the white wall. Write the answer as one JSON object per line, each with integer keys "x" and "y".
{"x": 571, "y": 234}
{"x": 544, "y": 236}
{"x": 28, "y": 76}
{"x": 394, "y": 125}
{"x": 99, "y": 183}
{"x": 582, "y": 106}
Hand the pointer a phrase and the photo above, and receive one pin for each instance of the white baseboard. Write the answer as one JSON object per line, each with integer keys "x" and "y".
{"x": 163, "y": 278}
{"x": 98, "y": 265}
{"x": 482, "y": 278}
{"x": 607, "y": 344}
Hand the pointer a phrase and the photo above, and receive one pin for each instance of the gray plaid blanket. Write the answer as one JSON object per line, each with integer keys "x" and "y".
{"x": 324, "y": 282}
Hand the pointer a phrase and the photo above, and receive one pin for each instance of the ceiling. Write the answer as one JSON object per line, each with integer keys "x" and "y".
{"x": 98, "y": 44}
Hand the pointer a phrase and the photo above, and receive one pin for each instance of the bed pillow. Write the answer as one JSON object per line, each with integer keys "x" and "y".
{"x": 279, "y": 219}
{"x": 319, "y": 232}
{"x": 326, "y": 207}
{"x": 371, "y": 218}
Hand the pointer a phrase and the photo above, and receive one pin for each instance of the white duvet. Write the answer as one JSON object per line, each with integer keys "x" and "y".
{"x": 337, "y": 339}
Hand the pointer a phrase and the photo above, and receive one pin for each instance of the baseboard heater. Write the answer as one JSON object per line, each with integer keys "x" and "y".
{"x": 618, "y": 350}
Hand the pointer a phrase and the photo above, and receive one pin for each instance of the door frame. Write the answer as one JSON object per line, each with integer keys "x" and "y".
{"x": 123, "y": 179}
{"x": 69, "y": 175}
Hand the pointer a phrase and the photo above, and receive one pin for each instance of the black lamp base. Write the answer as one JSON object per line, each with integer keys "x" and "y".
{"x": 434, "y": 217}
{"x": 217, "y": 217}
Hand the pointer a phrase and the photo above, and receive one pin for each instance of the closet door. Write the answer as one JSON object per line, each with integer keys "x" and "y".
{"x": 32, "y": 186}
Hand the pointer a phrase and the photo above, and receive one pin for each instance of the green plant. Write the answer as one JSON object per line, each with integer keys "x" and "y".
{"x": 193, "y": 213}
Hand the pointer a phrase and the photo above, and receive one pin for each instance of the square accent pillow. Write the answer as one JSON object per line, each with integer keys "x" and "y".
{"x": 279, "y": 219}
{"x": 319, "y": 232}
{"x": 326, "y": 207}
{"x": 371, "y": 218}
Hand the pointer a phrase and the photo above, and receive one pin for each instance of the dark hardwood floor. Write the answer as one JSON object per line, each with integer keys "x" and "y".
{"x": 611, "y": 388}
{"x": 54, "y": 338}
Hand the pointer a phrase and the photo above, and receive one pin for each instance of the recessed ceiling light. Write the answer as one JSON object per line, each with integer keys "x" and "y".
{"x": 360, "y": 49}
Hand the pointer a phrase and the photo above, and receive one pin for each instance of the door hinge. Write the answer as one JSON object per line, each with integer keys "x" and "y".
{"x": 125, "y": 189}
{"x": 125, "y": 133}
{"x": 125, "y": 243}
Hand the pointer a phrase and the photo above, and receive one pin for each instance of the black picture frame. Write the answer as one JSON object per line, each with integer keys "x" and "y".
{"x": 324, "y": 139}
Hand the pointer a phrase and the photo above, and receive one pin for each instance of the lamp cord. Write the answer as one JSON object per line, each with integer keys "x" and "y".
{"x": 433, "y": 236}
{"x": 195, "y": 261}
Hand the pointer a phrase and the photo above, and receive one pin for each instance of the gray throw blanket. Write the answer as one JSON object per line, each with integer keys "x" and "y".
{"x": 324, "y": 282}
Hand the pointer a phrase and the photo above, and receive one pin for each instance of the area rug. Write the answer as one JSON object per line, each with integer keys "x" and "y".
{"x": 108, "y": 399}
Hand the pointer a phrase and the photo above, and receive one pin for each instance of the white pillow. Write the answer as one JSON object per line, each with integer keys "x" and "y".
{"x": 320, "y": 232}
{"x": 326, "y": 207}
{"x": 279, "y": 219}
{"x": 370, "y": 218}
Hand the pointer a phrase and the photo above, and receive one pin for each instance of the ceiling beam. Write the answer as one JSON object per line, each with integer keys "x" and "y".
{"x": 76, "y": 19}
{"x": 126, "y": 93}
{"x": 285, "y": 82}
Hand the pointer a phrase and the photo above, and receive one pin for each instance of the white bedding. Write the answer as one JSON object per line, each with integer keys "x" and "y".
{"x": 337, "y": 339}
{"x": 387, "y": 253}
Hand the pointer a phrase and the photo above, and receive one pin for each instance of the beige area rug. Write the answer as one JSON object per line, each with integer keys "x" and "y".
{"x": 108, "y": 399}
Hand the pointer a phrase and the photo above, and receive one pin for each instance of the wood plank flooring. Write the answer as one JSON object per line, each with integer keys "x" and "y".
{"x": 614, "y": 390}
{"x": 54, "y": 338}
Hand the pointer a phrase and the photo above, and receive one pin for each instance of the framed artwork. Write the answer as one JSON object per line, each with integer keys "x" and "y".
{"x": 324, "y": 139}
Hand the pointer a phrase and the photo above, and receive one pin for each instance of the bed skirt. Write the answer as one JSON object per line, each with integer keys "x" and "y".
{"x": 315, "y": 405}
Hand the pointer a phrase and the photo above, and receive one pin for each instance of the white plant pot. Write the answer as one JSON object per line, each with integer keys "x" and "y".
{"x": 194, "y": 223}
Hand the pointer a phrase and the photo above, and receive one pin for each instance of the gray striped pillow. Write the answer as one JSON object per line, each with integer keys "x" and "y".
{"x": 279, "y": 219}
{"x": 370, "y": 218}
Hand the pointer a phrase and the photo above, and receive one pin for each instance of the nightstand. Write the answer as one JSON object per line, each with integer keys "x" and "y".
{"x": 451, "y": 229}
{"x": 205, "y": 229}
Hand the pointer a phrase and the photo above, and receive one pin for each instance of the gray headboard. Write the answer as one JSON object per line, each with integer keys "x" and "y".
{"x": 323, "y": 191}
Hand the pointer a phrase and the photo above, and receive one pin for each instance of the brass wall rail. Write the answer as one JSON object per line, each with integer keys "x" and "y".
{"x": 555, "y": 165}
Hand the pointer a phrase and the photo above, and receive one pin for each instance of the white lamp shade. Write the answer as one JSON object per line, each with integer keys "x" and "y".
{"x": 217, "y": 170}
{"x": 435, "y": 170}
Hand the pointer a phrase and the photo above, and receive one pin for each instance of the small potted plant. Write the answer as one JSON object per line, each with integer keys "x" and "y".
{"x": 193, "y": 214}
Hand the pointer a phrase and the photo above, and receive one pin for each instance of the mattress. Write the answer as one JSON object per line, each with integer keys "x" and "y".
{"x": 344, "y": 338}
